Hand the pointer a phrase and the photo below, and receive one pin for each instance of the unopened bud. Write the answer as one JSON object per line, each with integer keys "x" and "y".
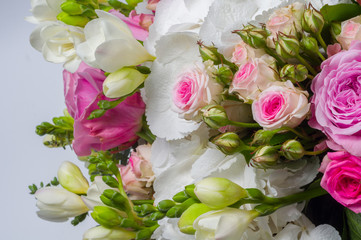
{"x": 219, "y": 193}
{"x": 253, "y": 36}
{"x": 265, "y": 157}
{"x": 292, "y": 150}
{"x": 210, "y": 53}
{"x": 187, "y": 219}
{"x": 71, "y": 178}
{"x": 102, "y": 233}
{"x": 79, "y": 21}
{"x": 122, "y": 82}
{"x": 180, "y": 197}
{"x": 215, "y": 116}
{"x": 51, "y": 141}
{"x": 228, "y": 142}
{"x": 312, "y": 21}
{"x": 224, "y": 75}
{"x": 294, "y": 73}
{"x": 262, "y": 137}
{"x": 177, "y": 210}
{"x": 309, "y": 44}
{"x": 106, "y": 216}
{"x": 335, "y": 29}
{"x": 287, "y": 46}
{"x": 165, "y": 205}
{"x": 72, "y": 8}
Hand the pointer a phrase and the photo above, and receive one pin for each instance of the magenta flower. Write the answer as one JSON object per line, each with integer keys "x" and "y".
{"x": 116, "y": 128}
{"x": 342, "y": 177}
{"x": 336, "y": 104}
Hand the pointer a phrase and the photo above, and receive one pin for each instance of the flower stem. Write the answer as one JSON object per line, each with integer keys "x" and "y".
{"x": 309, "y": 67}
{"x": 321, "y": 41}
{"x": 245, "y": 125}
{"x": 315, "y": 152}
{"x": 278, "y": 59}
{"x": 321, "y": 56}
{"x": 305, "y": 137}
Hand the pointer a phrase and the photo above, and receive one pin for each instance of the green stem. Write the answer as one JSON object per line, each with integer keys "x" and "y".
{"x": 305, "y": 137}
{"x": 302, "y": 196}
{"x": 140, "y": 202}
{"x": 312, "y": 153}
{"x": 321, "y": 41}
{"x": 321, "y": 56}
{"x": 245, "y": 125}
{"x": 278, "y": 59}
{"x": 309, "y": 67}
{"x": 310, "y": 76}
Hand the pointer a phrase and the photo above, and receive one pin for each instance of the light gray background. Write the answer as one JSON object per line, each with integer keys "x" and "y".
{"x": 31, "y": 92}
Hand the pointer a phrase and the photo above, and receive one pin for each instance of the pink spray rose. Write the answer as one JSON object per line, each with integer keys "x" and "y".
{"x": 138, "y": 176}
{"x": 243, "y": 53}
{"x": 254, "y": 77}
{"x": 336, "y": 103}
{"x": 280, "y": 105}
{"x": 350, "y": 31}
{"x": 195, "y": 89}
{"x": 117, "y": 127}
{"x": 342, "y": 178}
{"x": 137, "y": 23}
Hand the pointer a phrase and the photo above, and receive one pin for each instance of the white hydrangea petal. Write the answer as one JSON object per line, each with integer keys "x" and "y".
{"x": 322, "y": 232}
{"x": 290, "y": 232}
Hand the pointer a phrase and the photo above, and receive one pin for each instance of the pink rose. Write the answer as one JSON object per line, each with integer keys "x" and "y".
{"x": 137, "y": 23}
{"x": 254, "y": 77}
{"x": 286, "y": 20}
{"x": 280, "y": 105}
{"x": 117, "y": 127}
{"x": 336, "y": 103}
{"x": 342, "y": 177}
{"x": 350, "y": 31}
{"x": 138, "y": 176}
{"x": 243, "y": 53}
{"x": 193, "y": 90}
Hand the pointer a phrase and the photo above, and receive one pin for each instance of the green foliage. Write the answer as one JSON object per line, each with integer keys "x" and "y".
{"x": 353, "y": 224}
{"x": 340, "y": 12}
{"x": 33, "y": 188}
{"x": 102, "y": 163}
{"x": 79, "y": 219}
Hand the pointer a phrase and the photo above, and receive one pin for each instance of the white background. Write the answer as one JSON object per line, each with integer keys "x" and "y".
{"x": 31, "y": 92}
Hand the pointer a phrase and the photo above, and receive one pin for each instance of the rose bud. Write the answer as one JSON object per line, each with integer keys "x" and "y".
{"x": 292, "y": 150}
{"x": 224, "y": 75}
{"x": 312, "y": 21}
{"x": 215, "y": 116}
{"x": 228, "y": 142}
{"x": 262, "y": 137}
{"x": 309, "y": 44}
{"x": 265, "y": 157}
{"x": 210, "y": 53}
{"x": 253, "y": 36}
{"x": 294, "y": 73}
{"x": 287, "y": 46}
{"x": 71, "y": 178}
{"x": 219, "y": 193}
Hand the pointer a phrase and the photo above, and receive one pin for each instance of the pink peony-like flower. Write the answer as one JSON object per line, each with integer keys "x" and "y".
{"x": 137, "y": 23}
{"x": 138, "y": 176}
{"x": 336, "y": 103}
{"x": 280, "y": 105}
{"x": 117, "y": 127}
{"x": 194, "y": 90}
{"x": 254, "y": 77}
{"x": 342, "y": 178}
{"x": 350, "y": 31}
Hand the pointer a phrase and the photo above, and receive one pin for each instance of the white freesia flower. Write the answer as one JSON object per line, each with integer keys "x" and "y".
{"x": 56, "y": 41}
{"x": 44, "y": 10}
{"x": 303, "y": 229}
{"x": 110, "y": 44}
{"x": 71, "y": 178}
{"x": 95, "y": 190}
{"x": 58, "y": 205}
{"x": 102, "y": 233}
{"x": 178, "y": 65}
{"x": 176, "y": 16}
{"x": 225, "y": 224}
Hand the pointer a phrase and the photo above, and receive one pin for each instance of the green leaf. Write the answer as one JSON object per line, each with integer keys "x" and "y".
{"x": 281, "y": 138}
{"x": 340, "y": 12}
{"x": 96, "y": 114}
{"x": 354, "y": 224}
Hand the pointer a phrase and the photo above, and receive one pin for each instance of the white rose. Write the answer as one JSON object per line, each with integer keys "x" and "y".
{"x": 110, "y": 44}
{"x": 58, "y": 205}
{"x": 56, "y": 41}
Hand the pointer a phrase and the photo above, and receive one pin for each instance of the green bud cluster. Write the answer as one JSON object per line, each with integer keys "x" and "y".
{"x": 254, "y": 36}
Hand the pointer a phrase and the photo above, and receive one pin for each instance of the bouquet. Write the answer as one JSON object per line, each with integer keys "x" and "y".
{"x": 206, "y": 119}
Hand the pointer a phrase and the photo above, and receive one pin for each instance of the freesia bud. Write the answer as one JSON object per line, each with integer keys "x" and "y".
{"x": 287, "y": 46}
{"x": 101, "y": 233}
{"x": 79, "y": 21}
{"x": 228, "y": 142}
{"x": 122, "y": 82}
{"x": 312, "y": 21}
{"x": 225, "y": 224}
{"x": 51, "y": 141}
{"x": 294, "y": 73}
{"x": 265, "y": 157}
{"x": 292, "y": 150}
{"x": 72, "y": 179}
{"x": 72, "y": 8}
{"x": 165, "y": 205}
{"x": 215, "y": 116}
{"x": 187, "y": 219}
{"x": 58, "y": 205}
{"x": 218, "y": 193}
{"x": 106, "y": 216}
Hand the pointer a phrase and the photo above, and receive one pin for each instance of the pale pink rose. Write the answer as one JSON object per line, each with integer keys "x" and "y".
{"x": 238, "y": 112}
{"x": 254, "y": 77}
{"x": 243, "y": 53}
{"x": 152, "y": 4}
{"x": 350, "y": 31}
{"x": 194, "y": 89}
{"x": 333, "y": 49}
{"x": 342, "y": 177}
{"x": 137, "y": 23}
{"x": 286, "y": 20}
{"x": 136, "y": 189}
{"x": 280, "y": 105}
